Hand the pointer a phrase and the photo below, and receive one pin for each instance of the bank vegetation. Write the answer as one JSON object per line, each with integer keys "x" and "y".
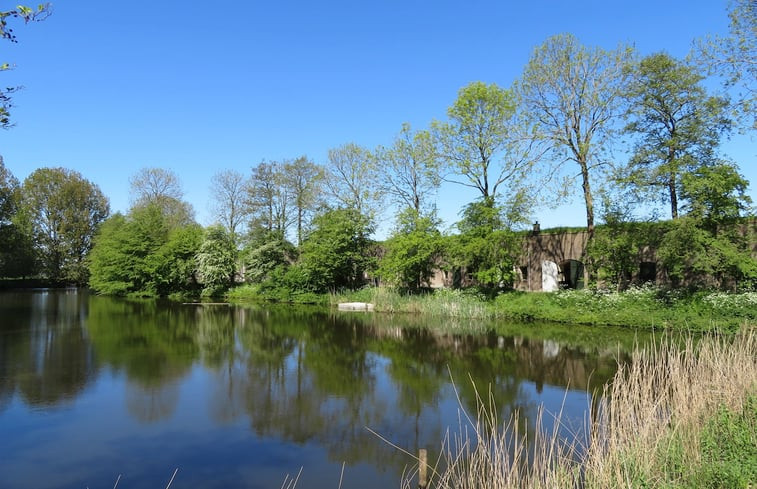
{"x": 682, "y": 414}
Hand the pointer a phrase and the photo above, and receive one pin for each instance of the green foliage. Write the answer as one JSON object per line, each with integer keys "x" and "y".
{"x": 411, "y": 169}
{"x": 265, "y": 254}
{"x": 351, "y": 179}
{"x": 410, "y": 254}
{"x": 145, "y": 253}
{"x": 618, "y": 246}
{"x": 570, "y": 94}
{"x": 16, "y": 256}
{"x": 64, "y": 212}
{"x": 715, "y": 194}
{"x": 485, "y": 248}
{"x": 335, "y": 254}
{"x": 678, "y": 125}
{"x": 217, "y": 260}
{"x": 695, "y": 255}
{"x": 478, "y": 143}
{"x": 304, "y": 181}
{"x": 729, "y": 449}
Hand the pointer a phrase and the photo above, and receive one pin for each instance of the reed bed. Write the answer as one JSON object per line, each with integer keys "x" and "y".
{"x": 652, "y": 428}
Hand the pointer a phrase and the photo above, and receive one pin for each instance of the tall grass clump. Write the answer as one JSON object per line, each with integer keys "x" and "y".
{"x": 682, "y": 414}
{"x": 656, "y": 417}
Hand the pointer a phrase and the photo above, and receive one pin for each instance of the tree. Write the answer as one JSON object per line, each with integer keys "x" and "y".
{"x": 570, "y": 95}
{"x": 145, "y": 253}
{"x": 264, "y": 255}
{"x": 217, "y": 260}
{"x": 351, "y": 179}
{"x": 335, "y": 253}
{"x": 486, "y": 247}
{"x": 304, "y": 179}
{"x": 692, "y": 254}
{"x": 161, "y": 187}
{"x": 410, "y": 254}
{"x": 479, "y": 141}
{"x": 229, "y": 192}
{"x": 16, "y": 257}
{"x": 410, "y": 169}
{"x": 268, "y": 199}
{"x": 8, "y": 190}
{"x": 64, "y": 211}
{"x": 734, "y": 57}
{"x": 27, "y": 14}
{"x": 715, "y": 195}
{"x": 679, "y": 126}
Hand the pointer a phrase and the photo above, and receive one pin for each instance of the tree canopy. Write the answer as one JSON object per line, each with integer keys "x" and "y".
{"x": 571, "y": 97}
{"x": 64, "y": 211}
{"x": 678, "y": 126}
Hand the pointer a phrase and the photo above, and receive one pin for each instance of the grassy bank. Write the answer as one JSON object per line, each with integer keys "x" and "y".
{"x": 675, "y": 418}
{"x": 643, "y": 307}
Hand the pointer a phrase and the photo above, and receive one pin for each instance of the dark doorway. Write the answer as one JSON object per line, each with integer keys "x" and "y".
{"x": 647, "y": 271}
{"x": 573, "y": 274}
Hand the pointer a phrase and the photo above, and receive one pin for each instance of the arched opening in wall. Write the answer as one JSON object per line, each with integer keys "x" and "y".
{"x": 648, "y": 272}
{"x": 572, "y": 275}
{"x": 549, "y": 276}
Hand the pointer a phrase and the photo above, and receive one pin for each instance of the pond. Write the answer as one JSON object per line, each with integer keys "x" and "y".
{"x": 95, "y": 387}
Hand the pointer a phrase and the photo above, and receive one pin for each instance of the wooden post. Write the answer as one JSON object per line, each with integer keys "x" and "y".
{"x": 422, "y": 468}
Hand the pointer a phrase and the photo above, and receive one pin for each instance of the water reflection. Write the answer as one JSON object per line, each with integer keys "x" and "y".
{"x": 45, "y": 355}
{"x": 300, "y": 376}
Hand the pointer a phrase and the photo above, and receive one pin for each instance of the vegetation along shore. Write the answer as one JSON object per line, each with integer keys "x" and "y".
{"x": 668, "y": 209}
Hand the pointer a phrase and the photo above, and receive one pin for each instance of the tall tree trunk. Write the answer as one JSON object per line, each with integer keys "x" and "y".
{"x": 673, "y": 196}
{"x": 587, "y": 197}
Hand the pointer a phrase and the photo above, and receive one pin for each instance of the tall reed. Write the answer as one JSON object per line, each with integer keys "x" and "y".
{"x": 645, "y": 432}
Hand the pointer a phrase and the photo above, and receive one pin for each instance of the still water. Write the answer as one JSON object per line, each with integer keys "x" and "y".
{"x": 95, "y": 387}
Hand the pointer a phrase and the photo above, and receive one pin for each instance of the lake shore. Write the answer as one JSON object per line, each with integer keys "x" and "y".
{"x": 648, "y": 308}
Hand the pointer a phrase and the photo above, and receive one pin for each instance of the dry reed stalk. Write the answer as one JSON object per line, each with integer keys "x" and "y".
{"x": 665, "y": 394}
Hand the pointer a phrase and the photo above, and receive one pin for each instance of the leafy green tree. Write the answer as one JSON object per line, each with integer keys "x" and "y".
{"x": 145, "y": 253}
{"x": 678, "y": 125}
{"x": 217, "y": 260}
{"x": 479, "y": 143}
{"x": 351, "y": 179}
{"x": 16, "y": 256}
{"x": 336, "y": 252}
{"x": 695, "y": 255}
{"x": 173, "y": 267}
{"x": 716, "y": 194}
{"x": 571, "y": 96}
{"x": 264, "y": 255}
{"x": 411, "y": 169}
{"x": 27, "y": 14}
{"x": 486, "y": 247}
{"x": 411, "y": 253}
{"x": 115, "y": 258}
{"x": 64, "y": 211}
{"x": 8, "y": 194}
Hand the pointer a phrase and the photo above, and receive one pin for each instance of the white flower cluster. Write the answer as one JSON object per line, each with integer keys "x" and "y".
{"x": 722, "y": 301}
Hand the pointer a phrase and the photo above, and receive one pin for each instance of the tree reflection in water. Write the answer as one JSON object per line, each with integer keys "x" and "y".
{"x": 304, "y": 376}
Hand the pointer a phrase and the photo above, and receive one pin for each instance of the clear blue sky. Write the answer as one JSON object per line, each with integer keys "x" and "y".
{"x": 198, "y": 87}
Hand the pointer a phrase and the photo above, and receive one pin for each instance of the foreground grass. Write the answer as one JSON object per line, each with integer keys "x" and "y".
{"x": 643, "y": 307}
{"x": 674, "y": 418}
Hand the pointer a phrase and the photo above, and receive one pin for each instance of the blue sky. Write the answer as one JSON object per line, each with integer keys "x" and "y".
{"x": 199, "y": 87}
